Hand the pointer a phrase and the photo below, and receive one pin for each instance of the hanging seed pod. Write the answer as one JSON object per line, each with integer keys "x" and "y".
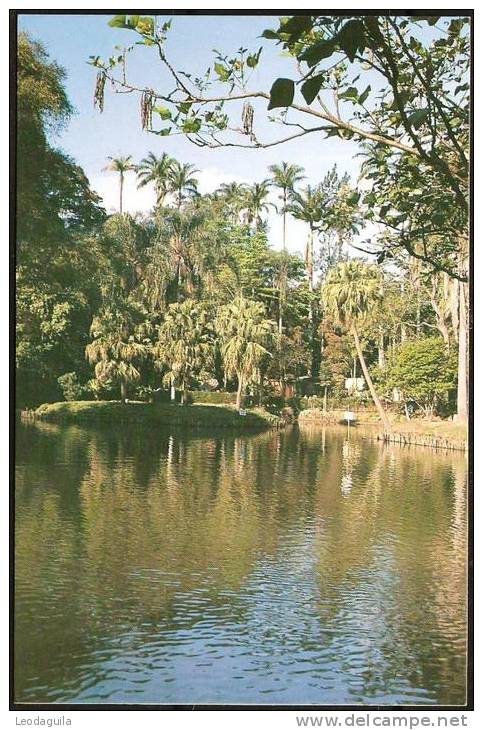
{"x": 247, "y": 120}
{"x": 147, "y": 101}
{"x": 99, "y": 90}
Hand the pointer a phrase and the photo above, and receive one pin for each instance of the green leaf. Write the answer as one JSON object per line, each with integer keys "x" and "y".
{"x": 417, "y": 118}
{"x": 351, "y": 38}
{"x": 296, "y": 26}
{"x": 281, "y": 93}
{"x": 191, "y": 126}
{"x": 364, "y": 94}
{"x": 184, "y": 106}
{"x": 143, "y": 25}
{"x": 311, "y": 87}
{"x": 315, "y": 53}
{"x": 163, "y": 112}
{"x": 118, "y": 21}
{"x": 270, "y": 34}
{"x": 222, "y": 71}
{"x": 350, "y": 93}
{"x": 253, "y": 59}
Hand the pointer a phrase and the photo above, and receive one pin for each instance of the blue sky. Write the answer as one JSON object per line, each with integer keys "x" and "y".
{"x": 91, "y": 137}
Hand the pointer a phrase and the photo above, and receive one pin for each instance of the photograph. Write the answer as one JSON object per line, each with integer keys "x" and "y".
{"x": 242, "y": 359}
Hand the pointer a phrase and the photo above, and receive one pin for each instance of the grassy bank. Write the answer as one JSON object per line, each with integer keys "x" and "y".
{"x": 437, "y": 433}
{"x": 170, "y": 415}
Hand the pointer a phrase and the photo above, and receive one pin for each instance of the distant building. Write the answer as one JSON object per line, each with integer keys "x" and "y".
{"x": 356, "y": 385}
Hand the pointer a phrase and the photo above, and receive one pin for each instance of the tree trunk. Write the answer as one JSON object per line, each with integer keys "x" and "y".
{"x": 309, "y": 259}
{"x": 172, "y": 391}
{"x": 406, "y": 411}
{"x": 439, "y": 312}
{"x": 280, "y": 311}
{"x": 370, "y": 384}
{"x": 454, "y": 292}
{"x": 123, "y": 391}
{"x": 121, "y": 185}
{"x": 417, "y": 286}
{"x": 309, "y": 266}
{"x": 462, "y": 396}
{"x": 239, "y": 393}
{"x": 381, "y": 355}
{"x": 183, "y": 394}
{"x": 284, "y": 221}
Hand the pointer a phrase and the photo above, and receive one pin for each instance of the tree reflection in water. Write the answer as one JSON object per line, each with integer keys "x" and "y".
{"x": 292, "y": 566}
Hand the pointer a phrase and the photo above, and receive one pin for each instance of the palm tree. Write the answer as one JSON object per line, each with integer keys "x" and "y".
{"x": 233, "y": 195}
{"x": 255, "y": 202}
{"x": 120, "y": 165}
{"x": 243, "y": 332}
{"x": 181, "y": 231}
{"x": 185, "y": 345}
{"x": 182, "y": 181}
{"x": 280, "y": 261}
{"x": 349, "y": 295}
{"x": 307, "y": 206}
{"x": 113, "y": 351}
{"x": 155, "y": 170}
{"x": 285, "y": 177}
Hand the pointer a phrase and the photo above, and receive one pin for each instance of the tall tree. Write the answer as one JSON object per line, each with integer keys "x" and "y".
{"x": 114, "y": 350}
{"x": 256, "y": 203}
{"x": 233, "y": 195}
{"x": 58, "y": 259}
{"x": 349, "y": 294}
{"x": 244, "y": 333}
{"x": 185, "y": 344}
{"x": 285, "y": 177}
{"x": 307, "y": 206}
{"x": 182, "y": 182}
{"x": 121, "y": 165}
{"x": 155, "y": 170}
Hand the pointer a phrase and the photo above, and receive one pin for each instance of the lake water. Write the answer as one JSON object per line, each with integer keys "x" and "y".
{"x": 296, "y": 566}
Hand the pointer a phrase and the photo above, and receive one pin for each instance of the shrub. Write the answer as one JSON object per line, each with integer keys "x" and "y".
{"x": 213, "y": 398}
{"x": 70, "y": 387}
{"x": 425, "y": 372}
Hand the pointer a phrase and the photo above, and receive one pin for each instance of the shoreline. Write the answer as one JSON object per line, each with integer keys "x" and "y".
{"x": 417, "y": 432}
{"x": 203, "y": 416}
{"x": 193, "y": 416}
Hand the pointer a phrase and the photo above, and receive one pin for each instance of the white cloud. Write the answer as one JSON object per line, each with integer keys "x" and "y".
{"x": 210, "y": 178}
{"x": 134, "y": 199}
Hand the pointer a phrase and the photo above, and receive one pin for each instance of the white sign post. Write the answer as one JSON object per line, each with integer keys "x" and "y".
{"x": 348, "y": 416}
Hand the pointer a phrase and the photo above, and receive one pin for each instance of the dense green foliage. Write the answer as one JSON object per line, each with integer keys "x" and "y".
{"x": 58, "y": 219}
{"x": 191, "y": 296}
{"x": 424, "y": 372}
